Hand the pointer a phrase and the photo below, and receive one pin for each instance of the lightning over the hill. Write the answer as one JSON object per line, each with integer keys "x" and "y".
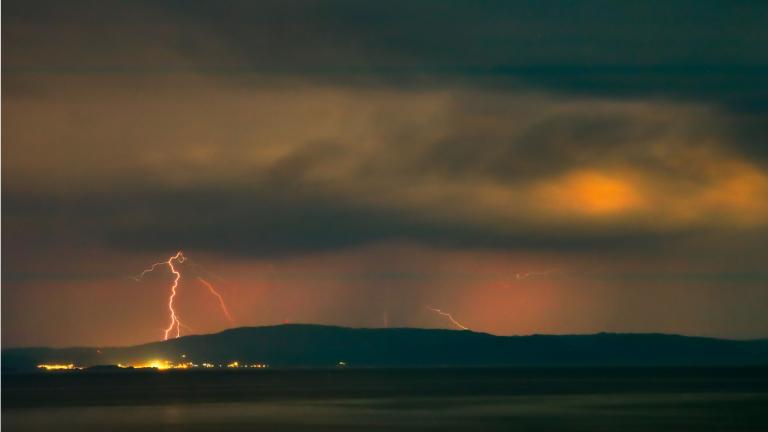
{"x": 449, "y": 316}
{"x": 175, "y": 322}
{"x": 223, "y": 305}
{"x": 174, "y": 318}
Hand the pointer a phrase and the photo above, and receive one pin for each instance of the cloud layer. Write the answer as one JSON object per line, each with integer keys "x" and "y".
{"x": 274, "y": 163}
{"x": 267, "y": 131}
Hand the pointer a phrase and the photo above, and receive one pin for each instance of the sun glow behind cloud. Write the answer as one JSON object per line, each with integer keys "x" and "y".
{"x": 591, "y": 193}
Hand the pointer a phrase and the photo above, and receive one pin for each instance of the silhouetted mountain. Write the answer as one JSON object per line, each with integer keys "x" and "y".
{"x": 296, "y": 345}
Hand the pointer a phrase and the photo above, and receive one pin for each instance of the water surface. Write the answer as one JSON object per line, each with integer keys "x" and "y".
{"x": 581, "y": 399}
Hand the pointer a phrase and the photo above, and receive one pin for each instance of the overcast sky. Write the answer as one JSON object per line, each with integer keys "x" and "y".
{"x": 528, "y": 166}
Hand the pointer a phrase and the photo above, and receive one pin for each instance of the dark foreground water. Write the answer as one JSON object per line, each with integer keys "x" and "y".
{"x": 595, "y": 399}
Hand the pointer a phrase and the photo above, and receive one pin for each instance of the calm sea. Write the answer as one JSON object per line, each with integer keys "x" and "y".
{"x": 444, "y": 399}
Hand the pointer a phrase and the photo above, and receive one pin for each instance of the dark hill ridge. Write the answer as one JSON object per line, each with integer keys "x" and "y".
{"x": 302, "y": 345}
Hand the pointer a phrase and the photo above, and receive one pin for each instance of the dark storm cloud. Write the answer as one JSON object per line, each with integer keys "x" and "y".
{"x": 749, "y": 133}
{"x": 545, "y": 147}
{"x": 472, "y": 106}
{"x": 262, "y": 223}
{"x": 263, "y": 170}
{"x": 702, "y": 50}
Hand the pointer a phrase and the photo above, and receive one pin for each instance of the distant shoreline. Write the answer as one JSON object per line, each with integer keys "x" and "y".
{"x": 317, "y": 346}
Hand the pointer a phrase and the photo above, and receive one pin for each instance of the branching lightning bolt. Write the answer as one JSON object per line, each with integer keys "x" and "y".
{"x": 449, "y": 316}
{"x": 175, "y": 322}
{"x": 218, "y": 296}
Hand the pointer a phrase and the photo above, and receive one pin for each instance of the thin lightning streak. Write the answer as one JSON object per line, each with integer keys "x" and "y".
{"x": 187, "y": 327}
{"x": 202, "y": 270}
{"x": 141, "y": 275}
{"x": 520, "y": 276}
{"x": 449, "y": 316}
{"x": 221, "y": 299}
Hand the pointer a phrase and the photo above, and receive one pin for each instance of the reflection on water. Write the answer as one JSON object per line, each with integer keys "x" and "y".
{"x": 574, "y": 402}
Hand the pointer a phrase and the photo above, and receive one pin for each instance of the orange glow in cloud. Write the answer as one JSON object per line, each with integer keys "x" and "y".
{"x": 594, "y": 193}
{"x": 742, "y": 193}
